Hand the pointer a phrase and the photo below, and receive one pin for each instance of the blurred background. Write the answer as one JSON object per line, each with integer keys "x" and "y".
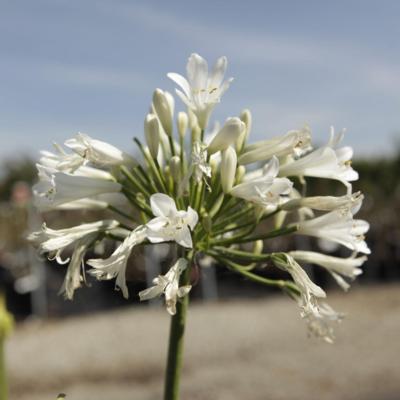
{"x": 69, "y": 66}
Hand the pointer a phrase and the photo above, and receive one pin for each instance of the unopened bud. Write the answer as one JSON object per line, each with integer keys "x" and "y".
{"x": 196, "y": 134}
{"x": 175, "y": 168}
{"x": 258, "y": 247}
{"x": 152, "y": 134}
{"x": 240, "y": 172}
{"x": 206, "y": 222}
{"x": 228, "y": 169}
{"x": 163, "y": 106}
{"x": 214, "y": 165}
{"x": 183, "y": 122}
{"x": 245, "y": 117}
{"x": 228, "y": 135}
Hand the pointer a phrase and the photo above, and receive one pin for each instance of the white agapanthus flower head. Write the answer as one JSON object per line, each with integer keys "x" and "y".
{"x": 168, "y": 285}
{"x": 193, "y": 187}
{"x": 202, "y": 90}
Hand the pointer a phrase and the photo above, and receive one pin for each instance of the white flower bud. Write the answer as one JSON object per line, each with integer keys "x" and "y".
{"x": 175, "y": 168}
{"x": 228, "y": 169}
{"x": 258, "y": 247}
{"x": 183, "y": 122}
{"x": 164, "y": 109}
{"x": 240, "y": 173}
{"x": 228, "y": 135}
{"x": 152, "y": 133}
{"x": 196, "y": 134}
{"x": 245, "y": 116}
{"x": 206, "y": 222}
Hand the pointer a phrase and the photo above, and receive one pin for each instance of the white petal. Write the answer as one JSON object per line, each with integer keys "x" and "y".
{"x": 218, "y": 72}
{"x": 184, "y": 238}
{"x": 181, "y": 81}
{"x": 162, "y": 205}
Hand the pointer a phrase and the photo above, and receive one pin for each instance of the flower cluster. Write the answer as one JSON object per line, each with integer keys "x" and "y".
{"x": 209, "y": 196}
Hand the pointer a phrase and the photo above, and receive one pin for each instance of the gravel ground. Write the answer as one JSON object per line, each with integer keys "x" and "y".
{"x": 248, "y": 349}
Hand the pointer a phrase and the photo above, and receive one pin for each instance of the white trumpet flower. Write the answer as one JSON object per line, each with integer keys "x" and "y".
{"x": 170, "y": 224}
{"x": 115, "y": 265}
{"x": 336, "y": 266}
{"x": 295, "y": 142}
{"x": 338, "y": 226}
{"x": 227, "y": 135}
{"x": 169, "y": 285}
{"x": 55, "y": 241}
{"x": 202, "y": 91}
{"x": 73, "y": 277}
{"x": 309, "y": 291}
{"x": 319, "y": 322}
{"x": 265, "y": 190}
{"x": 326, "y": 203}
{"x": 58, "y": 188}
{"x": 324, "y": 162}
{"x": 97, "y": 151}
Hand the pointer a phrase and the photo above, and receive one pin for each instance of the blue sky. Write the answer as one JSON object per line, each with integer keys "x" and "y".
{"x": 91, "y": 66}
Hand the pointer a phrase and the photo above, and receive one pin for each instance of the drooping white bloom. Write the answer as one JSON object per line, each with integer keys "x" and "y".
{"x": 228, "y": 169}
{"x": 295, "y": 142}
{"x": 56, "y": 188}
{"x": 170, "y": 224}
{"x": 227, "y": 135}
{"x": 319, "y": 322}
{"x": 326, "y": 203}
{"x": 169, "y": 285}
{"x": 73, "y": 277}
{"x": 55, "y": 241}
{"x": 338, "y": 226}
{"x": 97, "y": 151}
{"x": 115, "y": 265}
{"x": 336, "y": 266}
{"x": 265, "y": 190}
{"x": 202, "y": 91}
{"x": 309, "y": 291}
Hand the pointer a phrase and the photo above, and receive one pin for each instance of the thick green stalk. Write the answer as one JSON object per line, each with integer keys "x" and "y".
{"x": 176, "y": 341}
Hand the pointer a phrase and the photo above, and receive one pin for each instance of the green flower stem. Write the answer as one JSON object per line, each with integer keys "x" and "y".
{"x": 275, "y": 233}
{"x": 121, "y": 213}
{"x": 153, "y": 166}
{"x": 135, "y": 182}
{"x": 242, "y": 255}
{"x": 288, "y": 286}
{"x": 132, "y": 197}
{"x": 176, "y": 341}
{"x": 172, "y": 144}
